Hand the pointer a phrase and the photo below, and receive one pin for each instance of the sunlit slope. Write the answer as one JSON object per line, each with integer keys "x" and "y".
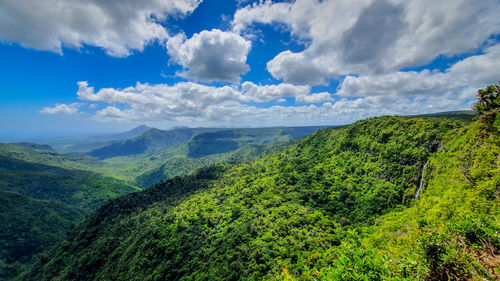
{"x": 251, "y": 221}
{"x": 158, "y": 155}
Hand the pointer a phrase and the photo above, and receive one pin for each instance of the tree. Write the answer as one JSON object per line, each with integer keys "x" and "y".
{"x": 488, "y": 105}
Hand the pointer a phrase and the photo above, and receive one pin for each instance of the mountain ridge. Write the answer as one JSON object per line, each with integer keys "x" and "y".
{"x": 155, "y": 139}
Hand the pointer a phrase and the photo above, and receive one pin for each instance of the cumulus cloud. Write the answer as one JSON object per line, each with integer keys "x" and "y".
{"x": 61, "y": 109}
{"x": 265, "y": 93}
{"x": 188, "y": 100}
{"x": 314, "y": 98}
{"x": 357, "y": 97}
{"x": 119, "y": 27}
{"x": 398, "y": 93}
{"x": 210, "y": 55}
{"x": 370, "y": 37}
{"x": 153, "y": 102}
{"x": 469, "y": 74}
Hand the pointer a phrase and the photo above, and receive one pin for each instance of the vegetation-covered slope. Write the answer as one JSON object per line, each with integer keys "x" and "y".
{"x": 206, "y": 141}
{"x": 30, "y": 226}
{"x": 79, "y": 188}
{"x": 179, "y": 165}
{"x": 291, "y": 213}
{"x": 230, "y": 140}
{"x": 150, "y": 140}
{"x": 160, "y": 159}
{"x": 46, "y": 155}
{"x": 40, "y": 200}
{"x": 451, "y": 233}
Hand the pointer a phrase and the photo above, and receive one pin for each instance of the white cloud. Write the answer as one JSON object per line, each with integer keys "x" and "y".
{"x": 117, "y": 26}
{"x": 265, "y": 93}
{"x": 195, "y": 104}
{"x": 154, "y": 102}
{"x": 187, "y": 100}
{"x": 314, "y": 98}
{"x": 409, "y": 83}
{"x": 210, "y": 55}
{"x": 371, "y": 37}
{"x": 262, "y": 13}
{"x": 470, "y": 73}
{"x": 61, "y": 109}
{"x": 397, "y": 93}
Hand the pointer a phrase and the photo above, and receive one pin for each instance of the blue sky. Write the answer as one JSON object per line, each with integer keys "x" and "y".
{"x": 76, "y": 68}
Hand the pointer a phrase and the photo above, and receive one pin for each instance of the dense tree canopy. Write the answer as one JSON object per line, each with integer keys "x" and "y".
{"x": 488, "y": 105}
{"x": 338, "y": 205}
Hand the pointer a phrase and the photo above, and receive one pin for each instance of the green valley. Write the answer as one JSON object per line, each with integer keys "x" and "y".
{"x": 158, "y": 154}
{"x": 338, "y": 205}
{"x": 51, "y": 192}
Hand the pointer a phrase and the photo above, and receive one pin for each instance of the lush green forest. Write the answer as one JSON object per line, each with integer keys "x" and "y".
{"x": 178, "y": 165}
{"x": 200, "y": 141}
{"x": 157, "y": 155}
{"x": 338, "y": 205}
{"x": 43, "y": 193}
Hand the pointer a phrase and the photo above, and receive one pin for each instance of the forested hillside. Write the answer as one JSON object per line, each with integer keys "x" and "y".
{"x": 150, "y": 140}
{"x": 339, "y": 205}
{"x": 178, "y": 165}
{"x": 201, "y": 141}
{"x": 43, "y": 193}
{"x": 40, "y": 200}
{"x": 157, "y": 155}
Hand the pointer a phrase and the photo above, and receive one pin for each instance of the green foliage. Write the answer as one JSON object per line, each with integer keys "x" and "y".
{"x": 39, "y": 200}
{"x": 181, "y": 165}
{"x": 455, "y": 225}
{"x": 287, "y": 215}
{"x": 352, "y": 261}
{"x": 162, "y": 161}
{"x": 150, "y": 140}
{"x": 30, "y": 226}
{"x": 488, "y": 106}
{"x": 488, "y": 99}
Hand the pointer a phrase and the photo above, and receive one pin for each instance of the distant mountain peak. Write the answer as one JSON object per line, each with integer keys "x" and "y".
{"x": 179, "y": 127}
{"x": 141, "y": 128}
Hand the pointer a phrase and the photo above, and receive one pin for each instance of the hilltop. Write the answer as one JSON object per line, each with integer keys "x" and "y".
{"x": 202, "y": 141}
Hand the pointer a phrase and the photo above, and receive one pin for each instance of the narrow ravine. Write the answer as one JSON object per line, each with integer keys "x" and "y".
{"x": 417, "y": 195}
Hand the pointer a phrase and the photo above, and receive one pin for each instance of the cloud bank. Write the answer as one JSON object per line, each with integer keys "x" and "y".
{"x": 398, "y": 93}
{"x": 370, "y": 37}
{"x": 382, "y": 53}
{"x": 117, "y": 26}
